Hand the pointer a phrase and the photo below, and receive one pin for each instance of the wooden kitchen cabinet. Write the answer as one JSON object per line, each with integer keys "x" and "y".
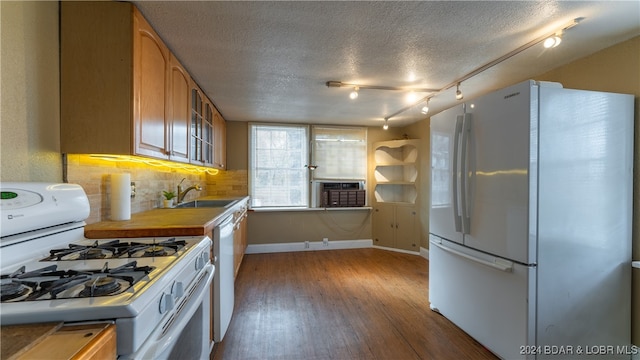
{"x": 201, "y": 127}
{"x": 122, "y": 92}
{"x": 240, "y": 240}
{"x": 220, "y": 141}
{"x": 208, "y": 131}
{"x": 180, "y": 111}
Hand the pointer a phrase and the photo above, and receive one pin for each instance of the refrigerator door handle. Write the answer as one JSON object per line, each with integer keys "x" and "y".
{"x": 498, "y": 264}
{"x": 457, "y": 219}
{"x": 464, "y": 174}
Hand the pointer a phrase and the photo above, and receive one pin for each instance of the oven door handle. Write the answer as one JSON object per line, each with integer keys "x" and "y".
{"x": 160, "y": 340}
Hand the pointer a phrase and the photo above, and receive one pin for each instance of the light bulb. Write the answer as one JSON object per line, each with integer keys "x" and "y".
{"x": 553, "y": 41}
{"x": 386, "y": 124}
{"x": 411, "y": 97}
{"x": 424, "y": 110}
{"x": 459, "y": 95}
{"x": 354, "y": 93}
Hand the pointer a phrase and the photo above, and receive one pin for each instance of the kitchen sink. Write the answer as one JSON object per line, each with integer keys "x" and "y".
{"x": 206, "y": 203}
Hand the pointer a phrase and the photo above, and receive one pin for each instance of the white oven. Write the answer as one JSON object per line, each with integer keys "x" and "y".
{"x": 156, "y": 290}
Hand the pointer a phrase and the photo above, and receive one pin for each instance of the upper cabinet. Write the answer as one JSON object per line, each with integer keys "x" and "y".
{"x": 123, "y": 92}
{"x": 151, "y": 91}
{"x": 220, "y": 141}
{"x": 208, "y": 131}
{"x": 180, "y": 111}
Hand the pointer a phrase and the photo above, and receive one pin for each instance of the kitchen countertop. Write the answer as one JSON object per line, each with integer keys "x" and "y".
{"x": 164, "y": 222}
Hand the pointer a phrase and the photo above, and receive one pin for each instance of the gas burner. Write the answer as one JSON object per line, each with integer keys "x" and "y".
{"x": 105, "y": 250}
{"x": 50, "y": 283}
{"x": 100, "y": 286}
{"x": 14, "y": 290}
{"x": 164, "y": 248}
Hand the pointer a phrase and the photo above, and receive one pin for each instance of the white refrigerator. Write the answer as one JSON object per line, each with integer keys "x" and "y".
{"x": 530, "y": 221}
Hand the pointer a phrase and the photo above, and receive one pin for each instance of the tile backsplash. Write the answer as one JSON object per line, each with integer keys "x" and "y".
{"x": 94, "y": 177}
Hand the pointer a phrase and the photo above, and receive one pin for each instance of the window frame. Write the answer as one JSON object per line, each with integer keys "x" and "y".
{"x": 313, "y": 184}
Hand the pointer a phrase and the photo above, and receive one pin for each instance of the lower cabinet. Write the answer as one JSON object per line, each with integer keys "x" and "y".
{"x": 396, "y": 226}
{"x": 239, "y": 240}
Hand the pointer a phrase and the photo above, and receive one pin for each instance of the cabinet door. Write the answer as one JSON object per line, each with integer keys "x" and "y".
{"x": 180, "y": 111}
{"x": 407, "y": 228}
{"x": 197, "y": 118}
{"x": 207, "y": 133}
{"x": 383, "y": 219}
{"x": 220, "y": 144}
{"x": 150, "y": 69}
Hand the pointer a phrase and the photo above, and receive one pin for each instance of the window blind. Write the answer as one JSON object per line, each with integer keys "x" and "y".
{"x": 339, "y": 152}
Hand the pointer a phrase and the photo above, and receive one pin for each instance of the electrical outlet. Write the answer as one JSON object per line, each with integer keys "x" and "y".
{"x": 133, "y": 189}
{"x": 306, "y": 244}
{"x": 325, "y": 242}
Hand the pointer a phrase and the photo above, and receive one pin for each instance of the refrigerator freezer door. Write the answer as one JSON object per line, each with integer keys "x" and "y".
{"x": 489, "y": 298}
{"x": 444, "y": 220}
{"x": 498, "y": 175}
{"x": 585, "y": 206}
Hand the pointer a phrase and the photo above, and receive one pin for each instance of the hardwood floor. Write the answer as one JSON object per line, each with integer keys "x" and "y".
{"x": 342, "y": 304}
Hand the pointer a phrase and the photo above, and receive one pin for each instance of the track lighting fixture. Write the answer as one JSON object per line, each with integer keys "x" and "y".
{"x": 556, "y": 38}
{"x": 459, "y": 95}
{"x": 357, "y": 87}
{"x": 386, "y": 124}
{"x": 425, "y": 108}
{"x": 553, "y": 40}
{"x": 354, "y": 93}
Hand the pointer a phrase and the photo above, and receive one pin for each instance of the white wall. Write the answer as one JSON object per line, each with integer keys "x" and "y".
{"x": 29, "y": 95}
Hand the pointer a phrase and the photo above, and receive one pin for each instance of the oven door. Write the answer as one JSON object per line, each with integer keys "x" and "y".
{"x": 186, "y": 335}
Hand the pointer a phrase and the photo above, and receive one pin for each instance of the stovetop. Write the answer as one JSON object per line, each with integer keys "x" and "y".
{"x": 88, "y": 268}
{"x": 50, "y": 283}
{"x": 112, "y": 249}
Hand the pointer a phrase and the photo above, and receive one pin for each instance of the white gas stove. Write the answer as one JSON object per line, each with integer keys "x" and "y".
{"x": 153, "y": 289}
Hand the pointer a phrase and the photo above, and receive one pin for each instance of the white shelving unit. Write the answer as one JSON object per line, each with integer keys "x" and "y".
{"x": 396, "y": 172}
{"x": 396, "y": 176}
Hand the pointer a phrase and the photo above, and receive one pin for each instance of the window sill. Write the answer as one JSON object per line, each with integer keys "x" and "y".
{"x": 283, "y": 209}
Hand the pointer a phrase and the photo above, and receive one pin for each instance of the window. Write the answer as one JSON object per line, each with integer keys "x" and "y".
{"x": 279, "y": 156}
{"x": 340, "y": 153}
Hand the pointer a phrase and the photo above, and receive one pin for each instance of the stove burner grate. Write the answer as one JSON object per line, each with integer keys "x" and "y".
{"x": 116, "y": 249}
{"x": 50, "y": 283}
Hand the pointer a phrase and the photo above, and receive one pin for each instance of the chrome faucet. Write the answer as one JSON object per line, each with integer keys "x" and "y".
{"x": 182, "y": 194}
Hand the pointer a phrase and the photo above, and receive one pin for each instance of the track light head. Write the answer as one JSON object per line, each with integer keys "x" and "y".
{"x": 459, "y": 95}
{"x": 553, "y": 41}
{"x": 354, "y": 93}
{"x": 386, "y": 124}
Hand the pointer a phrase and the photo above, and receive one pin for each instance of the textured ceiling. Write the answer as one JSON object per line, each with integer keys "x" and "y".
{"x": 270, "y": 61}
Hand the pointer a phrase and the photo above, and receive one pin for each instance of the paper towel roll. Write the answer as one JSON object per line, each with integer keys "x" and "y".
{"x": 120, "y": 196}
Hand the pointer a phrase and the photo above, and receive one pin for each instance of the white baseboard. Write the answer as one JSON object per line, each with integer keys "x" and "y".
{"x": 396, "y": 250}
{"x": 424, "y": 253}
{"x": 308, "y": 246}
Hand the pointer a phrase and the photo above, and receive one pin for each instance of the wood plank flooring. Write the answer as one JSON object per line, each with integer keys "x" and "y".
{"x": 342, "y": 304}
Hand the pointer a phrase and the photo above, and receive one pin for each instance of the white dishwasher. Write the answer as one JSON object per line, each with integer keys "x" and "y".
{"x": 223, "y": 284}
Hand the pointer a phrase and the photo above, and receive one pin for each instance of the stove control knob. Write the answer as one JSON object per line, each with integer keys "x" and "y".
{"x": 166, "y": 303}
{"x": 177, "y": 289}
{"x": 199, "y": 263}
